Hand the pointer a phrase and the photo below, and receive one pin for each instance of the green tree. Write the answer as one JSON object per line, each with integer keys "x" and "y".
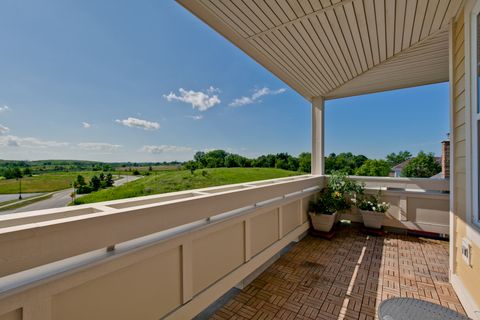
{"x": 27, "y": 172}
{"x": 293, "y": 163}
{"x": 199, "y": 157}
{"x": 192, "y": 166}
{"x": 95, "y": 183}
{"x": 281, "y": 164}
{"x": 396, "y": 158}
{"x": 109, "y": 180}
{"x": 17, "y": 173}
{"x": 346, "y": 162}
{"x": 215, "y": 158}
{"x": 305, "y": 162}
{"x": 81, "y": 181}
{"x": 424, "y": 165}
{"x": 232, "y": 161}
{"x": 374, "y": 168}
{"x": 81, "y": 185}
{"x": 265, "y": 161}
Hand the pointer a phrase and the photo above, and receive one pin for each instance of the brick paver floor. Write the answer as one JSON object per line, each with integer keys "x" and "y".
{"x": 346, "y": 278}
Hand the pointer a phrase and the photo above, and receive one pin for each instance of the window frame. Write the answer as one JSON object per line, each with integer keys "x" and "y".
{"x": 473, "y": 119}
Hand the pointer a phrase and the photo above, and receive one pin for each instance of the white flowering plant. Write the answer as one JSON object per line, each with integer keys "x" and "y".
{"x": 373, "y": 203}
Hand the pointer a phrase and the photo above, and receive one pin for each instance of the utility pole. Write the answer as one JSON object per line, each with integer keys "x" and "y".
{"x": 73, "y": 194}
{"x": 20, "y": 188}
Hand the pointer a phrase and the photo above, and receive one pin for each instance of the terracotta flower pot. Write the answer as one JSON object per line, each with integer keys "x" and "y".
{"x": 372, "y": 219}
{"x": 323, "y": 222}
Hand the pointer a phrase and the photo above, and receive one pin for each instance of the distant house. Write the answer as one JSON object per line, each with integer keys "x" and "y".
{"x": 444, "y": 161}
{"x": 396, "y": 171}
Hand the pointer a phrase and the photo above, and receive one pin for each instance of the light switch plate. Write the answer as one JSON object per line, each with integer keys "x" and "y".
{"x": 467, "y": 251}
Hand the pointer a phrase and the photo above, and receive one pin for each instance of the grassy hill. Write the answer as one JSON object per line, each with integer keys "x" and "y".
{"x": 169, "y": 181}
{"x": 47, "y": 182}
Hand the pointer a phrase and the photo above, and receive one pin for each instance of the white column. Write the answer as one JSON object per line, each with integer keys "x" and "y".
{"x": 318, "y": 136}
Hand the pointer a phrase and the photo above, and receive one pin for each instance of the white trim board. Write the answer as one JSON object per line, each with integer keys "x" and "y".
{"x": 468, "y": 303}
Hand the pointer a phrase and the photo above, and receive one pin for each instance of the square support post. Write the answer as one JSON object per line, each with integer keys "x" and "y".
{"x": 318, "y": 136}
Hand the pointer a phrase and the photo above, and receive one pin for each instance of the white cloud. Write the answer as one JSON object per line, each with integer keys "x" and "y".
{"x": 243, "y": 101}
{"x": 86, "y": 125}
{"x": 4, "y": 130}
{"x": 213, "y": 90}
{"x": 99, "y": 146}
{"x": 139, "y": 123}
{"x": 257, "y": 94}
{"x": 165, "y": 148}
{"x": 200, "y": 117}
{"x": 4, "y": 108}
{"x": 29, "y": 142}
{"x": 198, "y": 99}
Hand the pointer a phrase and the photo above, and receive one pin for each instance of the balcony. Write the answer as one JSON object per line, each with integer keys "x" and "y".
{"x": 346, "y": 278}
{"x": 172, "y": 255}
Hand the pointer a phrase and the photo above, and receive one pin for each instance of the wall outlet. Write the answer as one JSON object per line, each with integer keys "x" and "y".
{"x": 467, "y": 252}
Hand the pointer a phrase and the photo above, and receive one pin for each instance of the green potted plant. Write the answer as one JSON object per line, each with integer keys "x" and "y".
{"x": 338, "y": 196}
{"x": 322, "y": 211}
{"x": 349, "y": 190}
{"x": 373, "y": 210}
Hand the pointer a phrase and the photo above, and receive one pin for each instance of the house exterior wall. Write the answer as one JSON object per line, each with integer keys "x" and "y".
{"x": 464, "y": 277}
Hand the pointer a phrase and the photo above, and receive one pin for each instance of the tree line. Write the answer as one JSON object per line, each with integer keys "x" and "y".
{"x": 15, "y": 172}
{"x": 9, "y": 168}
{"x": 223, "y": 159}
{"x": 423, "y": 165}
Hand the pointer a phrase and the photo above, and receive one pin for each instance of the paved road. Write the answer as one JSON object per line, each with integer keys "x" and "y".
{"x": 8, "y": 197}
{"x": 62, "y": 198}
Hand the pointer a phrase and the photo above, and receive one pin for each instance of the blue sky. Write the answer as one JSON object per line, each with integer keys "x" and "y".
{"x": 120, "y": 80}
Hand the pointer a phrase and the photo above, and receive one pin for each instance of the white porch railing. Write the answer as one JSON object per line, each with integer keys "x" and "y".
{"x": 171, "y": 255}
{"x": 160, "y": 256}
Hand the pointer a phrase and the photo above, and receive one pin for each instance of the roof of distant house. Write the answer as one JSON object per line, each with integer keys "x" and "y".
{"x": 402, "y": 165}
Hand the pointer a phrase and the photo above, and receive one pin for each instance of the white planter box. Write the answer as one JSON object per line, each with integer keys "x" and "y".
{"x": 323, "y": 222}
{"x": 372, "y": 219}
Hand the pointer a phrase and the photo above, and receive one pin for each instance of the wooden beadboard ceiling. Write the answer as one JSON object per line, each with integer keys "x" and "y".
{"x": 335, "y": 48}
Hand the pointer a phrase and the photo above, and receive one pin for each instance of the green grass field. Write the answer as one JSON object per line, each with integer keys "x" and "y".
{"x": 169, "y": 181}
{"x": 47, "y": 182}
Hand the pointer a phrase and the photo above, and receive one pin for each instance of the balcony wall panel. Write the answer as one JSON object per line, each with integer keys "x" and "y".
{"x": 428, "y": 210}
{"x": 216, "y": 254}
{"x": 305, "y": 201}
{"x": 145, "y": 290}
{"x": 264, "y": 230}
{"x": 290, "y": 216}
